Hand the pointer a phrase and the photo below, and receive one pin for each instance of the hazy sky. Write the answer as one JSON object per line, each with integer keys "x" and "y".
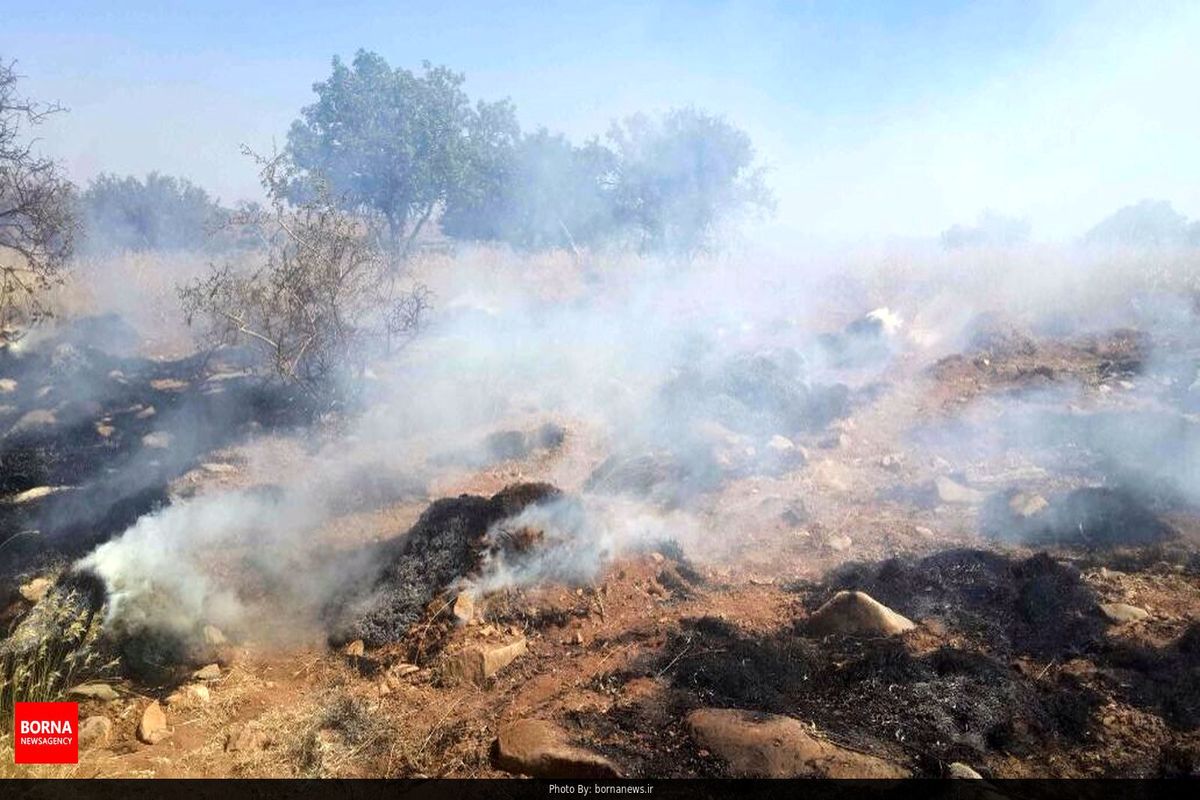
{"x": 881, "y": 119}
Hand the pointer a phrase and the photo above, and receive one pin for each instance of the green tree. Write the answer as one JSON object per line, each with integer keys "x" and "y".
{"x": 545, "y": 192}
{"x": 681, "y": 177}
{"x": 395, "y": 145}
{"x": 157, "y": 213}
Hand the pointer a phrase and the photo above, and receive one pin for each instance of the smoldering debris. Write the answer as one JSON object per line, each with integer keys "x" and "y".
{"x": 445, "y": 545}
{"x": 1089, "y": 517}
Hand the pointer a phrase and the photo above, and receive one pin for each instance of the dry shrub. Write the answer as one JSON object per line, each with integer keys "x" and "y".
{"x": 324, "y": 300}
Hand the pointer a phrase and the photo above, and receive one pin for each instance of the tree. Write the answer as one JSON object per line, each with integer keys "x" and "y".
{"x": 158, "y": 213}
{"x": 1149, "y": 223}
{"x": 36, "y": 221}
{"x": 991, "y": 230}
{"x": 394, "y": 144}
{"x": 679, "y": 178}
{"x": 323, "y": 302}
{"x": 546, "y": 193}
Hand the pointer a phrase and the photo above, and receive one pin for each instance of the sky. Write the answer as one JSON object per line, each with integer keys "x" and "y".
{"x": 875, "y": 119}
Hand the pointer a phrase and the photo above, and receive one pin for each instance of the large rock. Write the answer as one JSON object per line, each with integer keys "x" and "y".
{"x": 539, "y": 748}
{"x": 756, "y": 745}
{"x": 153, "y": 727}
{"x": 857, "y": 614}
{"x": 479, "y": 663}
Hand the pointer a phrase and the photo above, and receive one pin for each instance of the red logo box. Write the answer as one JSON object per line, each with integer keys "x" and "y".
{"x": 46, "y": 733}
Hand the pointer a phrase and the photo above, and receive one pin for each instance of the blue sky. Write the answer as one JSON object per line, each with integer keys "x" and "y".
{"x": 876, "y": 119}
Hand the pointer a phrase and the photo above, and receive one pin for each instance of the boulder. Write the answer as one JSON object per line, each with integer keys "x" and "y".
{"x": 857, "y": 614}
{"x": 540, "y": 749}
{"x": 479, "y": 663}
{"x": 153, "y": 727}
{"x": 95, "y": 731}
{"x": 950, "y": 491}
{"x": 1123, "y": 612}
{"x": 755, "y": 745}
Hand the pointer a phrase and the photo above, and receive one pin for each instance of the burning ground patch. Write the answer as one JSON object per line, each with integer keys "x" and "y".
{"x": 444, "y": 546}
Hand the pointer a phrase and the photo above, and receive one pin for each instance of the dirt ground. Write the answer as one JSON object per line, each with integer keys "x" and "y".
{"x": 1012, "y": 666}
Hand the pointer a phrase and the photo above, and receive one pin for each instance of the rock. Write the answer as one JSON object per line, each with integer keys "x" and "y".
{"x": 755, "y": 745}
{"x": 214, "y": 468}
{"x": 464, "y": 608}
{"x": 213, "y": 636}
{"x": 159, "y": 440}
{"x": 892, "y": 462}
{"x": 212, "y": 672}
{"x": 104, "y": 430}
{"x": 355, "y": 649}
{"x": 243, "y": 739}
{"x": 1123, "y": 612}
{"x": 1025, "y": 505}
{"x": 94, "y": 691}
{"x": 36, "y": 493}
{"x": 839, "y": 542}
{"x": 857, "y": 614}
{"x": 7, "y": 386}
{"x": 146, "y": 413}
{"x": 540, "y": 749}
{"x": 402, "y": 669}
{"x": 950, "y": 491}
{"x": 95, "y": 731}
{"x": 35, "y": 420}
{"x": 961, "y": 770}
{"x": 153, "y": 727}
{"x": 479, "y": 663}
{"x": 36, "y": 589}
{"x": 196, "y": 694}
{"x": 781, "y": 445}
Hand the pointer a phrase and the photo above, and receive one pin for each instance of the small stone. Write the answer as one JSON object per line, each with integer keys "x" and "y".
{"x": 7, "y": 386}
{"x": 578, "y": 638}
{"x": 36, "y": 493}
{"x": 540, "y": 749}
{"x": 479, "y": 663}
{"x": 94, "y": 691}
{"x": 153, "y": 727}
{"x": 243, "y": 738}
{"x": 159, "y": 440}
{"x": 950, "y": 491}
{"x": 1025, "y": 505}
{"x": 961, "y": 770}
{"x": 857, "y": 614}
{"x": 211, "y": 672}
{"x": 104, "y": 430}
{"x": 36, "y": 589}
{"x": 213, "y": 636}
{"x": 781, "y": 444}
{"x": 839, "y": 542}
{"x": 95, "y": 731}
{"x": 355, "y": 649}
{"x": 146, "y": 413}
{"x": 402, "y": 669}
{"x": 197, "y": 694}
{"x": 464, "y": 608}
{"x": 214, "y": 468}
{"x": 1123, "y": 612}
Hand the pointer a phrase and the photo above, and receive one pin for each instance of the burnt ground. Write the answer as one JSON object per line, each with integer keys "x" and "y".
{"x": 108, "y": 433}
{"x": 1013, "y": 666}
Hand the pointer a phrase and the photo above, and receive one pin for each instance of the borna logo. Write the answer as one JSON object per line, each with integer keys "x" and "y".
{"x": 46, "y": 733}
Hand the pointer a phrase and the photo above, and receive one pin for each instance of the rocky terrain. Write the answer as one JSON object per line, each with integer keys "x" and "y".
{"x": 982, "y": 563}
